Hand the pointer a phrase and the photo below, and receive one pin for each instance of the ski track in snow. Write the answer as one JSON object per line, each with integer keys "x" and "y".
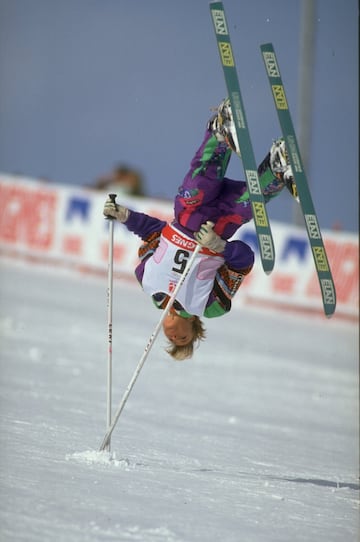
{"x": 254, "y": 440}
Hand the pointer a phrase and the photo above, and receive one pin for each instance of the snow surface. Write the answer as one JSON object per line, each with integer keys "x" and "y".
{"x": 255, "y": 439}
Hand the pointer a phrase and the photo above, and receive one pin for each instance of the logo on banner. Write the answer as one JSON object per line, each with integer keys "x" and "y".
{"x": 27, "y": 215}
{"x": 77, "y": 207}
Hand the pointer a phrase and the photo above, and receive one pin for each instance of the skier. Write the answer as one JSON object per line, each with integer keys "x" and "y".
{"x": 208, "y": 209}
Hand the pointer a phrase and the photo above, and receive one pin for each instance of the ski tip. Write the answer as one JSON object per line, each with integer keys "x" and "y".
{"x": 329, "y": 309}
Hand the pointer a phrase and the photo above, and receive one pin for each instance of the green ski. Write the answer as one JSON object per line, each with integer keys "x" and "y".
{"x": 262, "y": 225}
{"x": 313, "y": 229}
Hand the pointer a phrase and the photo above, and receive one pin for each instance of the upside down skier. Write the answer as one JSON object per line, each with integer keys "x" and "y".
{"x": 208, "y": 209}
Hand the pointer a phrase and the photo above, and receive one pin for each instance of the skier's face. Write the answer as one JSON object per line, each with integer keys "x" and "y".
{"x": 177, "y": 329}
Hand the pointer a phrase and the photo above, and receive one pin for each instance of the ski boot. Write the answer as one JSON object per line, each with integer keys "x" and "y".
{"x": 280, "y": 166}
{"x": 222, "y": 126}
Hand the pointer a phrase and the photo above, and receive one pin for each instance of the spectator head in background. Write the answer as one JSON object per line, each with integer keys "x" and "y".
{"x": 123, "y": 180}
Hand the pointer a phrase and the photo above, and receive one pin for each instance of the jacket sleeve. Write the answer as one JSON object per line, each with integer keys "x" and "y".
{"x": 146, "y": 250}
{"x": 239, "y": 260}
{"x": 143, "y": 225}
{"x": 238, "y": 255}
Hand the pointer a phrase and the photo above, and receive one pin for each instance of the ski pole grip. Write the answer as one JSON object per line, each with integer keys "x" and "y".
{"x": 113, "y": 198}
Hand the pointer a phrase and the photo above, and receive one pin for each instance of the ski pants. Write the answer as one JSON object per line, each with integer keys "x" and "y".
{"x": 206, "y": 194}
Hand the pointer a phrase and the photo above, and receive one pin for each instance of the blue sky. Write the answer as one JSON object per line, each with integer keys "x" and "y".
{"x": 85, "y": 84}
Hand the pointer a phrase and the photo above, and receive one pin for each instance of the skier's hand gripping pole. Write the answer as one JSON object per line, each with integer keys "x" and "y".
{"x": 148, "y": 347}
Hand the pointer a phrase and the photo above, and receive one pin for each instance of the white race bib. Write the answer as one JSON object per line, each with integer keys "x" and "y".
{"x": 163, "y": 270}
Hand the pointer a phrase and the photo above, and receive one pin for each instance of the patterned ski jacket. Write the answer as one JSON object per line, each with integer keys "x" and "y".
{"x": 237, "y": 261}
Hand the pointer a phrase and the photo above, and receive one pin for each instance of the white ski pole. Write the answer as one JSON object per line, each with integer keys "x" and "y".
{"x": 110, "y": 320}
{"x": 148, "y": 348}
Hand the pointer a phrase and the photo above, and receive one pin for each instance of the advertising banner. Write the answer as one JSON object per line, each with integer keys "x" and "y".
{"x": 65, "y": 226}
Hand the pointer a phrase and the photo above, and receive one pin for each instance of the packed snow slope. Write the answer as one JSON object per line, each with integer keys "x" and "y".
{"x": 254, "y": 440}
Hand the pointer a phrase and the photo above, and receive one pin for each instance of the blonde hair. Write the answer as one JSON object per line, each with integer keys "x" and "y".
{"x": 179, "y": 353}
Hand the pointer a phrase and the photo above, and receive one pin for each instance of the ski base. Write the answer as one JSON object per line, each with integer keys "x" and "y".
{"x": 262, "y": 224}
{"x": 322, "y": 266}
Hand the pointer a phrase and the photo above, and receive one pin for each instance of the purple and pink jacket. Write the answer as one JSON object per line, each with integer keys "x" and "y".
{"x": 206, "y": 194}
